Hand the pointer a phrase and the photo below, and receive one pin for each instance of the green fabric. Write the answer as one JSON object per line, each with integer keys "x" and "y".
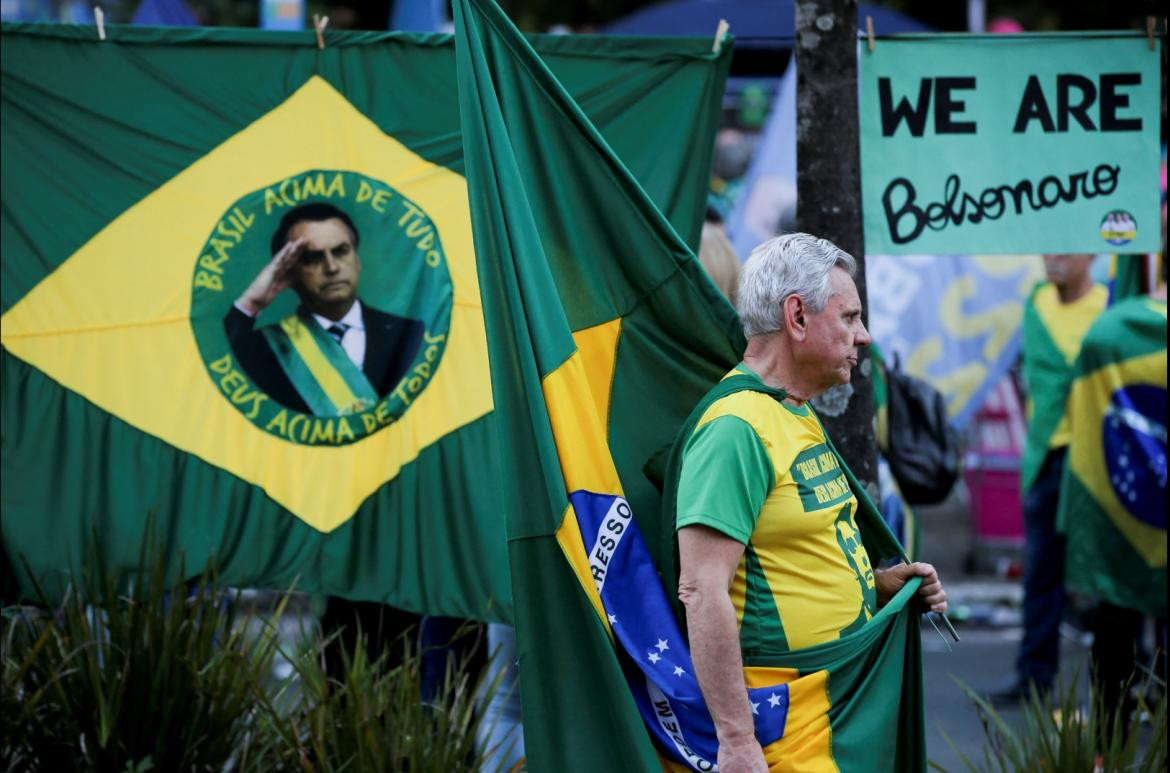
{"x": 156, "y": 100}
{"x": 302, "y": 378}
{"x": 731, "y": 477}
{"x": 876, "y": 710}
{"x": 761, "y": 628}
{"x": 568, "y": 239}
{"x": 875, "y": 672}
{"x": 1101, "y": 562}
{"x": 1119, "y": 367}
{"x": 66, "y": 492}
{"x": 92, "y": 128}
{"x": 1047, "y": 378}
{"x": 881, "y": 390}
{"x": 1129, "y": 277}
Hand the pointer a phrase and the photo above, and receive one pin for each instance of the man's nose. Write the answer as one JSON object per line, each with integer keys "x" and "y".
{"x": 331, "y": 264}
{"x": 862, "y": 337}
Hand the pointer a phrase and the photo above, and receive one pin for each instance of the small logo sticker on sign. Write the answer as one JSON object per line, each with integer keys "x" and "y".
{"x": 1118, "y": 227}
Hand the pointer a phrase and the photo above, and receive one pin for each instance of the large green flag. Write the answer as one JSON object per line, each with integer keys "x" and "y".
{"x": 1113, "y": 497}
{"x": 604, "y": 334}
{"x": 145, "y": 180}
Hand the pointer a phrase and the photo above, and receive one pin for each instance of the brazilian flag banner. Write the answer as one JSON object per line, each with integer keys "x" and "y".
{"x": 603, "y": 334}
{"x": 1113, "y": 500}
{"x": 149, "y": 179}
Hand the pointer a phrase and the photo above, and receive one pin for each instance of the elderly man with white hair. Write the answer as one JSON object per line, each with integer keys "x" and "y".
{"x": 770, "y": 558}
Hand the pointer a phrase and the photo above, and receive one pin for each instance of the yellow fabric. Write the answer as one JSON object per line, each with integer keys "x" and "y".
{"x": 101, "y": 315}
{"x": 1088, "y": 395}
{"x": 807, "y": 743}
{"x": 816, "y": 591}
{"x": 326, "y": 375}
{"x": 1067, "y": 324}
{"x": 580, "y": 424}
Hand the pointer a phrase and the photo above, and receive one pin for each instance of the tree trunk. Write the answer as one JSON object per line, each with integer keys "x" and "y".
{"x": 828, "y": 198}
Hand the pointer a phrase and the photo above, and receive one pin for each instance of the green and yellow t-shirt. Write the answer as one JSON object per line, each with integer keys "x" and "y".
{"x": 762, "y": 473}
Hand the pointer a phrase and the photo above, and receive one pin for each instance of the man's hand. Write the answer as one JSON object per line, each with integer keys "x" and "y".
{"x": 272, "y": 280}
{"x": 744, "y": 757}
{"x": 930, "y": 594}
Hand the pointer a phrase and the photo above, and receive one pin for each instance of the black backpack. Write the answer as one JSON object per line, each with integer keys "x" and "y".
{"x": 923, "y": 447}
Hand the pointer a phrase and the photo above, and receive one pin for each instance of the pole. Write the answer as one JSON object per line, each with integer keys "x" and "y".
{"x": 828, "y": 195}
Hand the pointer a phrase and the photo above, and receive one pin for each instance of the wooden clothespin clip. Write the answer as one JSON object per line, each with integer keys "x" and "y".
{"x": 869, "y": 33}
{"x": 320, "y": 23}
{"x": 1151, "y": 28}
{"x": 720, "y": 34}
{"x": 99, "y": 18}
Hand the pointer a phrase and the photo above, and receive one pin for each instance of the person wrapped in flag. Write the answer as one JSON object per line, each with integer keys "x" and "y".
{"x": 1113, "y": 494}
{"x": 335, "y": 355}
{"x": 1056, "y": 317}
{"x": 771, "y": 559}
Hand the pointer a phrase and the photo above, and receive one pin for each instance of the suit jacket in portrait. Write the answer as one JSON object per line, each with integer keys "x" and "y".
{"x": 391, "y": 345}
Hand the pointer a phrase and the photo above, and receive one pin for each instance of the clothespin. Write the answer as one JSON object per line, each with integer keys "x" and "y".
{"x": 720, "y": 33}
{"x": 320, "y": 23}
{"x": 1151, "y": 28}
{"x": 99, "y": 19}
{"x": 869, "y": 33}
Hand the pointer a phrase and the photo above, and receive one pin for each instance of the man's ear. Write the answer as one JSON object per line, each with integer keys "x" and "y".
{"x": 794, "y": 312}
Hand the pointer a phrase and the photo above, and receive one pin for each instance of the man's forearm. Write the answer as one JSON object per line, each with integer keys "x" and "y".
{"x": 714, "y": 638}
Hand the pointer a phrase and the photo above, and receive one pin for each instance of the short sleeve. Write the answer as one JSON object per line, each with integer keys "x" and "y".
{"x": 726, "y": 476}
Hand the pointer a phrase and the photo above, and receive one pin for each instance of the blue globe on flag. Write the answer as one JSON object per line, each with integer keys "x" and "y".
{"x": 1134, "y": 439}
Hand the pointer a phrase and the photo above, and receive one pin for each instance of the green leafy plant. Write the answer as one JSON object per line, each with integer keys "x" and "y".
{"x": 132, "y": 672}
{"x": 1060, "y": 734}
{"x": 373, "y": 718}
{"x": 137, "y": 671}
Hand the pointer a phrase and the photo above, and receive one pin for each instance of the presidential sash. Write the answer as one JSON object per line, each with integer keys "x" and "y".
{"x": 318, "y": 367}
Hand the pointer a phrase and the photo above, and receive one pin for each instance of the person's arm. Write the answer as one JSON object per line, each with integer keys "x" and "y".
{"x": 931, "y": 595}
{"x": 708, "y": 561}
{"x": 272, "y": 280}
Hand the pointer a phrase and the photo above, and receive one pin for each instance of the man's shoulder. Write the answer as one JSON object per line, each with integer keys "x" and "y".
{"x": 774, "y": 423}
{"x": 749, "y": 405}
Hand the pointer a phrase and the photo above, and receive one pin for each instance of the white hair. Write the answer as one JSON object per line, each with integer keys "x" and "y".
{"x": 783, "y": 266}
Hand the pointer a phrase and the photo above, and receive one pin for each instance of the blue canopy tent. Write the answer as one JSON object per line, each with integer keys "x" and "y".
{"x": 164, "y": 13}
{"x": 764, "y": 32}
{"x": 768, "y": 23}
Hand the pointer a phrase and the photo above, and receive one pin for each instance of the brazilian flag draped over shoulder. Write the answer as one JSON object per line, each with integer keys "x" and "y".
{"x": 1113, "y": 499}
{"x": 603, "y": 334}
{"x": 145, "y": 178}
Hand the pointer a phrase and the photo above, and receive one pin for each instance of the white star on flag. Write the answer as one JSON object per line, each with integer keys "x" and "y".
{"x": 679, "y": 671}
{"x": 612, "y": 619}
{"x": 755, "y": 708}
{"x": 662, "y": 645}
{"x": 774, "y": 700}
{"x": 654, "y": 657}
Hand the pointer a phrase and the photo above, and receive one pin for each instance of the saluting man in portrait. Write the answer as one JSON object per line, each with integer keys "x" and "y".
{"x": 335, "y": 355}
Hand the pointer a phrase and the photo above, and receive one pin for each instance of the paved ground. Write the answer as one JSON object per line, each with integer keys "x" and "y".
{"x": 987, "y": 612}
{"x": 983, "y": 660}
